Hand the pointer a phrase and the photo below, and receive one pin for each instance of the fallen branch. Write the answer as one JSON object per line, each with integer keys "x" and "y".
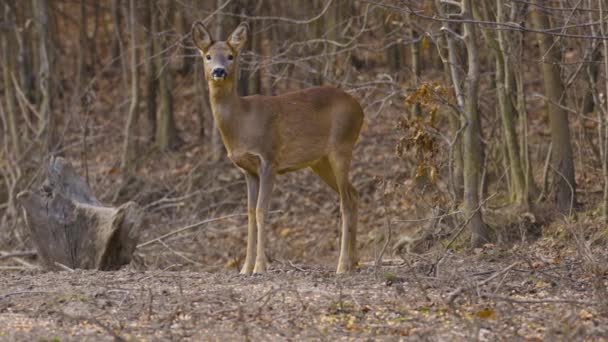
{"x": 8, "y": 255}
{"x": 63, "y": 267}
{"x": 540, "y": 301}
{"x": 96, "y": 322}
{"x": 463, "y": 225}
{"x": 454, "y": 294}
{"x": 14, "y": 268}
{"x": 192, "y": 226}
{"x": 16, "y": 256}
{"x": 16, "y": 293}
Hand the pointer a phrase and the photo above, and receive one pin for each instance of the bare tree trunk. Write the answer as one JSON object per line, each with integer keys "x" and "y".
{"x": 188, "y": 52}
{"x": 203, "y": 110}
{"x": 116, "y": 41}
{"x": 318, "y": 31}
{"x": 416, "y": 63}
{"x": 472, "y": 135}
{"x": 394, "y": 53}
{"x": 531, "y": 187}
{"x": 504, "y": 87}
{"x": 166, "y": 130}
{"x": 562, "y": 161}
{"x": 338, "y": 13}
{"x": 9, "y": 95}
{"x": 202, "y": 102}
{"x": 150, "y": 67}
{"x": 249, "y": 81}
{"x": 83, "y": 48}
{"x": 128, "y": 156}
{"x": 454, "y": 63}
{"x": 92, "y": 40}
{"x": 25, "y": 54}
{"x": 447, "y": 47}
{"x": 47, "y": 124}
{"x": 604, "y": 141}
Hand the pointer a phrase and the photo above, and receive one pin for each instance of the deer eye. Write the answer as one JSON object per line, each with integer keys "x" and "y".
{"x": 208, "y": 57}
{"x": 230, "y": 57}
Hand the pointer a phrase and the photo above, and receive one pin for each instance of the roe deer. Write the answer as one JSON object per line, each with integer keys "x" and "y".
{"x": 270, "y": 135}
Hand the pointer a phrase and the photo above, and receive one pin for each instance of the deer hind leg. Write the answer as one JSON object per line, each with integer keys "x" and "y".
{"x": 252, "y": 200}
{"x": 267, "y": 176}
{"x": 348, "y": 206}
{"x": 323, "y": 169}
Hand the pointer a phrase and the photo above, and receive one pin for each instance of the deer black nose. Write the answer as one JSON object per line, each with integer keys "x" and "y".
{"x": 219, "y": 73}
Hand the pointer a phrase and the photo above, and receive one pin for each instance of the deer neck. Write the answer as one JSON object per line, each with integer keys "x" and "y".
{"x": 225, "y": 106}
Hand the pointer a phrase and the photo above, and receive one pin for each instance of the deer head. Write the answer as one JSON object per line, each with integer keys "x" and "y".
{"x": 219, "y": 57}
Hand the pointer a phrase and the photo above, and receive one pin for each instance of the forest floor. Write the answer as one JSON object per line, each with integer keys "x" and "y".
{"x": 494, "y": 294}
{"x": 187, "y": 287}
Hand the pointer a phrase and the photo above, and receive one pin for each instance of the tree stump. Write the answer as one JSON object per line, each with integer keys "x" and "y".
{"x": 71, "y": 227}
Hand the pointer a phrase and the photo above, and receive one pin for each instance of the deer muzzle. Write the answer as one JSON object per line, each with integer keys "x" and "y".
{"x": 219, "y": 73}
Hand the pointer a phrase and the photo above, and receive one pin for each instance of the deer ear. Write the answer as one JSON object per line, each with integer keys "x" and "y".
{"x": 239, "y": 36}
{"x": 200, "y": 36}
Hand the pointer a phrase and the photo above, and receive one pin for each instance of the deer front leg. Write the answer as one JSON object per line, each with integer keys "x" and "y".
{"x": 252, "y": 200}
{"x": 348, "y": 208}
{"x": 267, "y": 175}
{"x": 348, "y": 243}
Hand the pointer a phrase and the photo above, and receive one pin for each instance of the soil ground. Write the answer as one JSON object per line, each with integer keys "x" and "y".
{"x": 492, "y": 295}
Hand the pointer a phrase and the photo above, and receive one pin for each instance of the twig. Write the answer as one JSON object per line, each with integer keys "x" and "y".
{"x": 6, "y": 295}
{"x": 389, "y": 230}
{"x": 540, "y": 301}
{"x": 192, "y": 226}
{"x": 417, "y": 280}
{"x": 454, "y": 294}
{"x": 181, "y": 255}
{"x": 17, "y": 258}
{"x": 14, "y": 268}
{"x": 97, "y": 323}
{"x": 8, "y": 255}
{"x": 546, "y": 174}
{"x": 434, "y": 217}
{"x": 296, "y": 266}
{"x": 63, "y": 267}
{"x": 460, "y": 230}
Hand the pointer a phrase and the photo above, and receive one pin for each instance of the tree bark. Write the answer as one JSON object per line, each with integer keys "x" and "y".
{"x": 70, "y": 227}
{"x": 47, "y": 126}
{"x": 9, "y": 95}
{"x": 472, "y": 144}
{"x": 189, "y": 53}
{"x": 25, "y": 54}
{"x": 394, "y": 53}
{"x": 562, "y": 159}
{"x": 83, "y": 46}
{"x": 116, "y": 40}
{"x": 150, "y": 67}
{"x": 504, "y": 86}
{"x": 604, "y": 141}
{"x": 447, "y": 47}
{"x": 249, "y": 81}
{"x": 416, "y": 63}
{"x": 166, "y": 130}
{"x": 128, "y": 156}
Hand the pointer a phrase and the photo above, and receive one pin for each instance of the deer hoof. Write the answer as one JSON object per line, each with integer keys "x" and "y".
{"x": 259, "y": 269}
{"x": 345, "y": 268}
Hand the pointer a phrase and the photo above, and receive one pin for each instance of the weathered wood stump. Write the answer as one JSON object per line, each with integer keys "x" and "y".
{"x": 71, "y": 227}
